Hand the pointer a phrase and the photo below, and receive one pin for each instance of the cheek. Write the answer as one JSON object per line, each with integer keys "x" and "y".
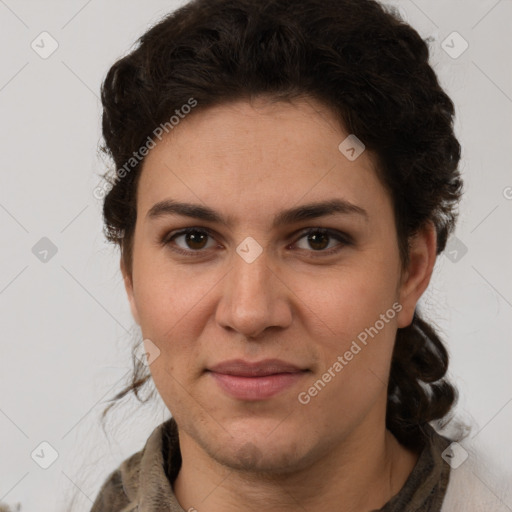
{"x": 346, "y": 301}
{"x": 354, "y": 345}
{"x": 171, "y": 310}
{"x": 353, "y": 325}
{"x": 167, "y": 294}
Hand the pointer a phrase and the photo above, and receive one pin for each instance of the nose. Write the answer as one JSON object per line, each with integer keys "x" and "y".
{"x": 254, "y": 298}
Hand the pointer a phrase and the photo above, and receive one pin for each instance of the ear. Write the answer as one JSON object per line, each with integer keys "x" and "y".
{"x": 128, "y": 285}
{"x": 422, "y": 255}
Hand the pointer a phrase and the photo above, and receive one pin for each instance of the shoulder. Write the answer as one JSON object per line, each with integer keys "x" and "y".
{"x": 139, "y": 476}
{"x": 476, "y": 484}
{"x": 474, "y": 488}
{"x": 7, "y": 508}
{"x": 118, "y": 491}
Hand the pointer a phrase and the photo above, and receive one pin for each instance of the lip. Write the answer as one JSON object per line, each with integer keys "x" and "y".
{"x": 255, "y": 380}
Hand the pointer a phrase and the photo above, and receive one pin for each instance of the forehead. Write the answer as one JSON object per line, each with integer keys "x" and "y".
{"x": 250, "y": 154}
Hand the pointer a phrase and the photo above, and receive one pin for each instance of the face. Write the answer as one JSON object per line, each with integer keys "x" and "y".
{"x": 320, "y": 289}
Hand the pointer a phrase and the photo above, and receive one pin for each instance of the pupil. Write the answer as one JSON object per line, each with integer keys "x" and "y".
{"x": 313, "y": 239}
{"x": 194, "y": 237}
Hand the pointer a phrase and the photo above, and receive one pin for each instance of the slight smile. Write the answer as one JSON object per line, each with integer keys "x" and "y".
{"x": 254, "y": 381}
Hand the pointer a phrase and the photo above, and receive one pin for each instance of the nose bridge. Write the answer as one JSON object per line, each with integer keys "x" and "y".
{"x": 250, "y": 298}
{"x": 250, "y": 282}
{"x": 250, "y": 274}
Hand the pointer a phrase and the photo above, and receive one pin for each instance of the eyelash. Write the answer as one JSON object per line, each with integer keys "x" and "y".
{"x": 341, "y": 237}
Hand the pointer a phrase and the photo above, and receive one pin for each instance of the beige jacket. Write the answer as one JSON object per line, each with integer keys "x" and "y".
{"x": 141, "y": 483}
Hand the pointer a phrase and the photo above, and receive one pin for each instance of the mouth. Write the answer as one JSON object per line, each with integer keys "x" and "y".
{"x": 248, "y": 381}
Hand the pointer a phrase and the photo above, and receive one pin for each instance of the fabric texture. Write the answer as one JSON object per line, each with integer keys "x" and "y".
{"x": 142, "y": 483}
{"x": 425, "y": 489}
{"x": 478, "y": 485}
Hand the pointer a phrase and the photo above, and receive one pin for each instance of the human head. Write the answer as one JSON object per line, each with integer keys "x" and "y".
{"x": 368, "y": 68}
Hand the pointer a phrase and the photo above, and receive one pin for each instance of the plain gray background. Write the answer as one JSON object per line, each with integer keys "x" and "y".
{"x": 65, "y": 323}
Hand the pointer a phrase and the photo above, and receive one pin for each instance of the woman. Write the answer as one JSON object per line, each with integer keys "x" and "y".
{"x": 286, "y": 175}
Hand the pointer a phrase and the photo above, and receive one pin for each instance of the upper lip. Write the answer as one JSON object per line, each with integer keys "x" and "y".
{"x": 243, "y": 368}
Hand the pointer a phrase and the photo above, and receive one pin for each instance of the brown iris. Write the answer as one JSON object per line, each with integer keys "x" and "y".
{"x": 314, "y": 240}
{"x": 196, "y": 237}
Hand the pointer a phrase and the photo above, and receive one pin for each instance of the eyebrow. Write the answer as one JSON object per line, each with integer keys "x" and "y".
{"x": 284, "y": 217}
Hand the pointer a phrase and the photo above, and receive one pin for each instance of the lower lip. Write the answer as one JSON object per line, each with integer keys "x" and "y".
{"x": 256, "y": 388}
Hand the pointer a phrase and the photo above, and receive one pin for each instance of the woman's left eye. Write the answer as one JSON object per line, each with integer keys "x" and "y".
{"x": 317, "y": 239}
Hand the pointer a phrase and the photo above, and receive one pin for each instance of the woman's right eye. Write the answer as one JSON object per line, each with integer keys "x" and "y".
{"x": 193, "y": 239}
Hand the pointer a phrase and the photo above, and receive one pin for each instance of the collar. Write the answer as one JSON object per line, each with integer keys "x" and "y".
{"x": 147, "y": 478}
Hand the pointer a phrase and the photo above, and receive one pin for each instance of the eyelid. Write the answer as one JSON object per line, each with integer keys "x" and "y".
{"x": 169, "y": 236}
{"x": 167, "y": 239}
{"x": 344, "y": 239}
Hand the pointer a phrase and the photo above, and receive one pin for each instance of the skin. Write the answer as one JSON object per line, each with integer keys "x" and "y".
{"x": 248, "y": 161}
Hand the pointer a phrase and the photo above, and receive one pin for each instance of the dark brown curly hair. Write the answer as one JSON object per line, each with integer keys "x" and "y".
{"x": 363, "y": 62}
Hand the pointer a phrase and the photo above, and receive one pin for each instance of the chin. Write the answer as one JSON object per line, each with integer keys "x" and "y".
{"x": 261, "y": 450}
{"x": 253, "y": 458}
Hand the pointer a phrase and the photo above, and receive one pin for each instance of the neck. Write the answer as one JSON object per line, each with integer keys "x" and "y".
{"x": 362, "y": 473}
